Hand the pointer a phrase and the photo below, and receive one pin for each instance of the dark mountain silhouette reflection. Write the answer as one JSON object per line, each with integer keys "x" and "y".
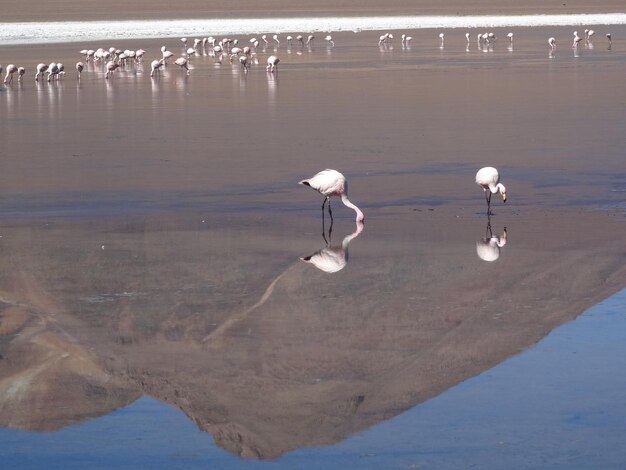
{"x": 222, "y": 320}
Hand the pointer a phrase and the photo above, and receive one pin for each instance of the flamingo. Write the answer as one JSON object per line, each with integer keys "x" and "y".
{"x": 300, "y": 39}
{"x": 111, "y": 67}
{"x": 182, "y": 63}
{"x": 184, "y": 41}
{"x": 191, "y": 51}
{"x": 11, "y": 69}
{"x": 467, "y": 37}
{"x": 20, "y": 73}
{"x": 289, "y": 40}
{"x": 264, "y": 37}
{"x": 489, "y": 179}
{"x": 309, "y": 40}
{"x": 155, "y": 66}
{"x": 332, "y": 259}
{"x": 552, "y": 43}
{"x": 79, "y": 69}
{"x": 272, "y": 63}
{"x": 53, "y": 69}
{"x": 608, "y": 36}
{"x": 577, "y": 39}
{"x": 166, "y": 54}
{"x": 383, "y": 39}
{"x": 243, "y": 60}
{"x": 441, "y": 36}
{"x": 330, "y": 41}
{"x": 276, "y": 40}
{"x": 61, "y": 70}
{"x": 41, "y": 69}
{"x": 332, "y": 183}
{"x": 590, "y": 34}
{"x": 488, "y": 248}
{"x": 510, "y": 36}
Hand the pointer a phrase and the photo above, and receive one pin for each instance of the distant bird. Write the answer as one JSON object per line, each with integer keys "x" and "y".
{"x": 272, "y": 63}
{"x": 383, "y": 39}
{"x": 166, "y": 54}
{"x": 329, "y": 40}
{"x": 332, "y": 259}
{"x": 41, "y": 70}
{"x": 264, "y": 37}
{"x": 53, "y": 70}
{"x": 552, "y": 43}
{"x": 309, "y": 41}
{"x": 155, "y": 66}
{"x": 489, "y": 179}
{"x": 184, "y": 41}
{"x": 467, "y": 37}
{"x": 332, "y": 183}
{"x": 300, "y": 39}
{"x": 182, "y": 63}
{"x": 404, "y": 39}
{"x": 590, "y": 34}
{"x": 111, "y": 68}
{"x": 243, "y": 60}
{"x": 441, "y": 36}
{"x": 79, "y": 69}
{"x": 11, "y": 69}
{"x": 577, "y": 39}
{"x": 289, "y": 40}
{"x": 20, "y": 73}
{"x": 510, "y": 36}
{"x": 276, "y": 40}
{"x": 608, "y": 36}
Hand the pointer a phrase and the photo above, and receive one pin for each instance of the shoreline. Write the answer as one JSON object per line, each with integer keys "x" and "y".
{"x": 34, "y": 32}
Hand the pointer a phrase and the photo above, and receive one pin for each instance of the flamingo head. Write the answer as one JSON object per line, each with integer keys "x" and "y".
{"x": 503, "y": 192}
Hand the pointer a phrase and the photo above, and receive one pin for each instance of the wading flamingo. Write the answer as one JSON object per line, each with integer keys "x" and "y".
{"x": 11, "y": 69}
{"x": 272, "y": 63}
{"x": 552, "y": 42}
{"x": 489, "y": 179}
{"x": 41, "y": 70}
{"x": 79, "y": 69}
{"x": 332, "y": 183}
{"x": 20, "y": 73}
{"x": 182, "y": 63}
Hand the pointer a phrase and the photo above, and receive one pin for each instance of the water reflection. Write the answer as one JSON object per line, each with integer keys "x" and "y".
{"x": 488, "y": 248}
{"x": 333, "y": 258}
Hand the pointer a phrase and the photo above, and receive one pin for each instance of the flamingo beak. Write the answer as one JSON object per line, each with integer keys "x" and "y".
{"x": 504, "y": 198}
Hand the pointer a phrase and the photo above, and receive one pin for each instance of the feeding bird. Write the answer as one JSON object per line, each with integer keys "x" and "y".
{"x": 489, "y": 179}
{"x": 332, "y": 183}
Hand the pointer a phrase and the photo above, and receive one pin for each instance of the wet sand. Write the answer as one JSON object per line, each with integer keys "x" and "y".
{"x": 152, "y": 230}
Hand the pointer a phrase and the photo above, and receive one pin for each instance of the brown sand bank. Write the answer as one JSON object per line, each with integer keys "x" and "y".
{"x": 64, "y": 10}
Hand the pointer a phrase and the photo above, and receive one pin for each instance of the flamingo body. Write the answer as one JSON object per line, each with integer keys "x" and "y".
{"x": 488, "y": 178}
{"x": 331, "y": 183}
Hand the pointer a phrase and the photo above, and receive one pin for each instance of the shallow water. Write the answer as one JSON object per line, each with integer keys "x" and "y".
{"x": 84, "y": 31}
{"x": 153, "y": 233}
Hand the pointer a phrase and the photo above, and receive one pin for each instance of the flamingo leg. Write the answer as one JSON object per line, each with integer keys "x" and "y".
{"x": 323, "y": 217}
{"x": 488, "y": 203}
{"x": 330, "y": 211}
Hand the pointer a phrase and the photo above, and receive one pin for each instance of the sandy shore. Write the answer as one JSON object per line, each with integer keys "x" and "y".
{"x": 14, "y": 10}
{"x": 152, "y": 229}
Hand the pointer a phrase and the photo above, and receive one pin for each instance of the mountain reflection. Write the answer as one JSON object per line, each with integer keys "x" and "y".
{"x": 223, "y": 321}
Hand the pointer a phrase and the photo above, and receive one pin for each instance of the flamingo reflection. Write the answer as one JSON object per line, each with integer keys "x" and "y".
{"x": 332, "y": 259}
{"x": 488, "y": 248}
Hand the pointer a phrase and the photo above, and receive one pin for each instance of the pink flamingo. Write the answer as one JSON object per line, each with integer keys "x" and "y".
{"x": 11, "y": 69}
{"x": 489, "y": 179}
{"x": 272, "y": 63}
{"x": 182, "y": 63}
{"x": 41, "y": 70}
{"x": 332, "y": 183}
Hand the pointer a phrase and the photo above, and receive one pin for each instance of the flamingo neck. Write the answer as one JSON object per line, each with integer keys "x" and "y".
{"x": 359, "y": 215}
{"x": 497, "y": 188}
